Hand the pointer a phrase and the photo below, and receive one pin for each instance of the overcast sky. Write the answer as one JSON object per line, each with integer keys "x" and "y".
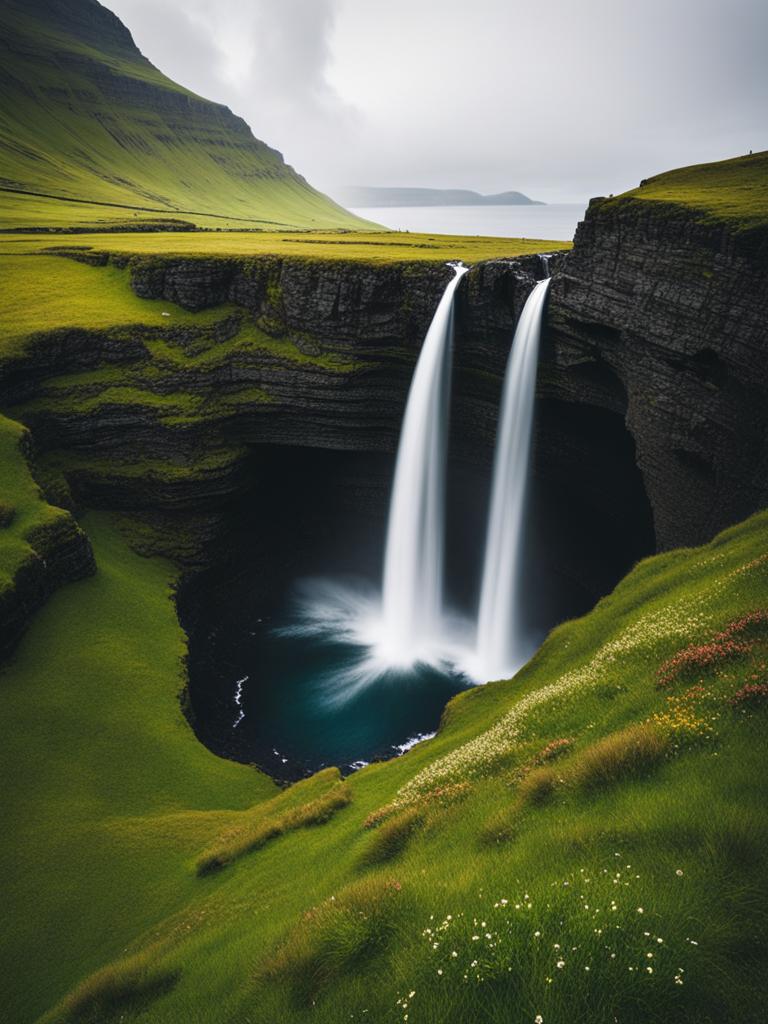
{"x": 563, "y": 99}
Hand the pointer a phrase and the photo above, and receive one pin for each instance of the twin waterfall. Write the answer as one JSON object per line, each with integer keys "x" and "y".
{"x": 412, "y": 627}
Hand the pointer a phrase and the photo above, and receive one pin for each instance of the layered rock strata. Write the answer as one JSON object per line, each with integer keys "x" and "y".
{"x": 663, "y": 317}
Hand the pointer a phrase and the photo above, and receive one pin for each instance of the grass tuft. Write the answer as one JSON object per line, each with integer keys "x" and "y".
{"x": 632, "y": 751}
{"x": 336, "y": 938}
{"x": 237, "y": 842}
{"x": 538, "y": 786}
{"x": 124, "y": 986}
{"x": 437, "y": 798}
{"x": 392, "y": 837}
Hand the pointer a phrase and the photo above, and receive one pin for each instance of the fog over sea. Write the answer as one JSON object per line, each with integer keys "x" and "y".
{"x": 555, "y": 221}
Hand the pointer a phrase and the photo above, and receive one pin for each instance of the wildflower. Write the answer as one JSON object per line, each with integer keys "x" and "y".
{"x": 560, "y": 964}
{"x": 640, "y": 910}
{"x": 679, "y": 872}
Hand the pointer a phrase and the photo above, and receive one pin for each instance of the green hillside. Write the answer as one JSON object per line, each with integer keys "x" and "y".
{"x": 90, "y": 131}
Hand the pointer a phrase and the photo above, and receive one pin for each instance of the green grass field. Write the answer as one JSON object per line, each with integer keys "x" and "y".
{"x": 44, "y": 293}
{"x": 371, "y": 247}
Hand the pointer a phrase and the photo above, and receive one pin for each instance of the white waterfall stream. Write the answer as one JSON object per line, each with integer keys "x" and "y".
{"x": 413, "y": 563}
{"x": 501, "y": 645}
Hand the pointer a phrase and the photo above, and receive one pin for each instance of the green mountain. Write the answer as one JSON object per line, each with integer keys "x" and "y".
{"x": 88, "y": 124}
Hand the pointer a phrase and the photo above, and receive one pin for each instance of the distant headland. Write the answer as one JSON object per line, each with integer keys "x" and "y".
{"x": 358, "y": 196}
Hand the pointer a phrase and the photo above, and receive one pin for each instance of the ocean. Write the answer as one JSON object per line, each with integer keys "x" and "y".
{"x": 555, "y": 221}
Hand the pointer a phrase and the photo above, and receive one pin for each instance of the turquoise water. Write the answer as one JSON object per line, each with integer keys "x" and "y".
{"x": 293, "y": 699}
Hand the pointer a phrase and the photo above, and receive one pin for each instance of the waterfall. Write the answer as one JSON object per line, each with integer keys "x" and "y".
{"x": 413, "y": 561}
{"x": 501, "y": 642}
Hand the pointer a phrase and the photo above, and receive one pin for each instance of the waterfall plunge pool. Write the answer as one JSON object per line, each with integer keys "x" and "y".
{"x": 321, "y": 514}
{"x": 302, "y": 688}
{"x": 284, "y": 629}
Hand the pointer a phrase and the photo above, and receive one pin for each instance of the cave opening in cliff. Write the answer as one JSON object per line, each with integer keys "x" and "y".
{"x": 259, "y": 696}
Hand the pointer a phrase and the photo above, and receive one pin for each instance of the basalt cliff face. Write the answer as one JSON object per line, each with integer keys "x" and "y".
{"x": 308, "y": 353}
{"x": 663, "y": 317}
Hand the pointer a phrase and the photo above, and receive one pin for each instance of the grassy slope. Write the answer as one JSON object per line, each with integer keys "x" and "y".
{"x": 79, "y": 100}
{"x": 734, "y": 190}
{"x": 109, "y": 786}
{"x": 124, "y": 799}
{"x": 23, "y": 510}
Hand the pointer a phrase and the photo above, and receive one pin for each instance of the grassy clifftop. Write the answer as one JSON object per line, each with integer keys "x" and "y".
{"x": 96, "y": 133}
{"x": 364, "y": 246}
{"x": 731, "y": 191}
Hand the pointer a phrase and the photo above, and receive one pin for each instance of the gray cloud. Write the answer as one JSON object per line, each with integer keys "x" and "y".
{"x": 561, "y": 100}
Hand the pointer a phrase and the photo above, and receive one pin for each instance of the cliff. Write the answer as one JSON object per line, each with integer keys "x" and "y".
{"x": 660, "y": 313}
{"x": 42, "y": 546}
